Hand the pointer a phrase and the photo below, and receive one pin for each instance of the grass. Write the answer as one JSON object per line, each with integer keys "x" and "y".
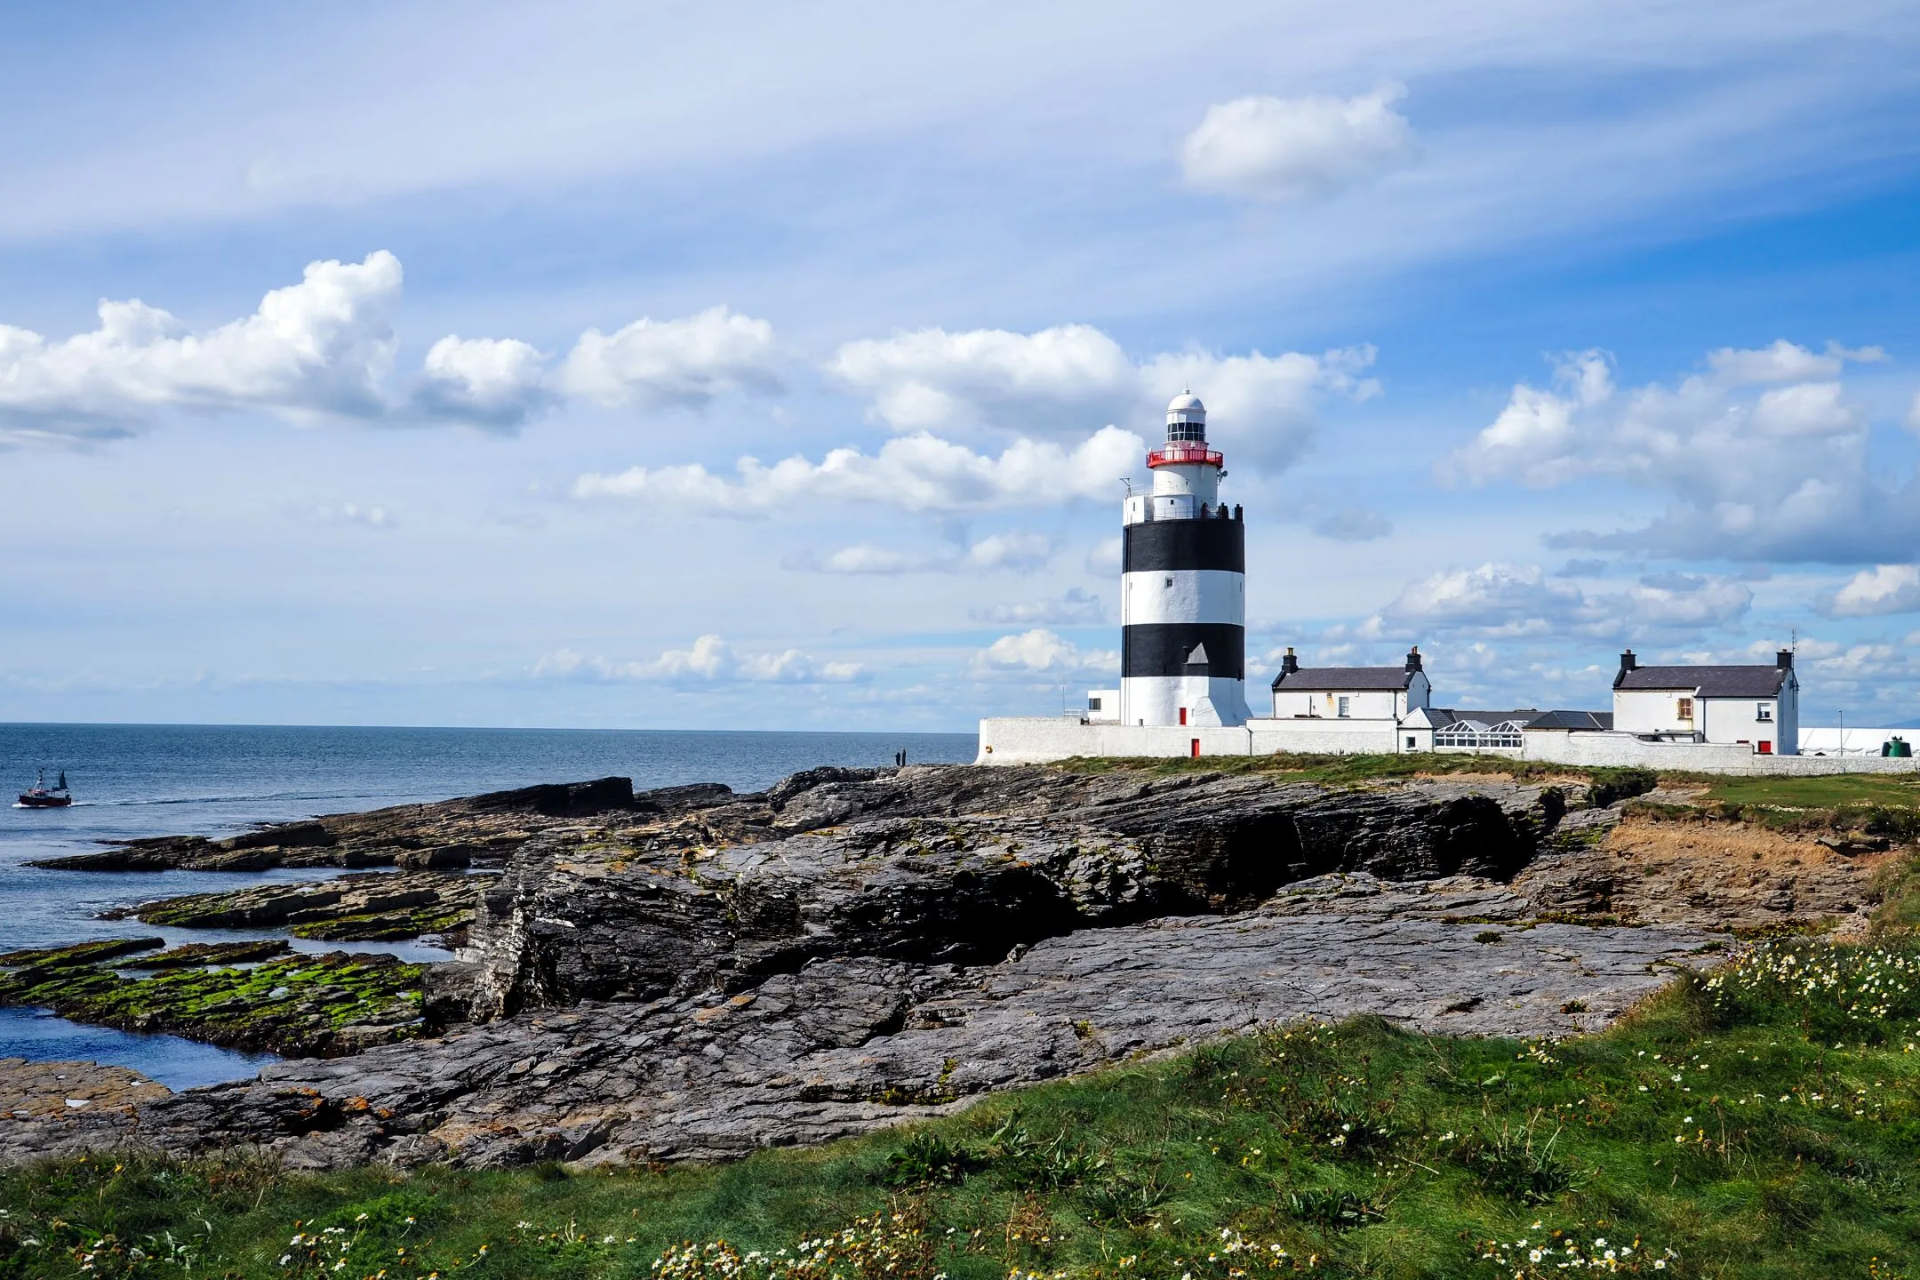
{"x": 1764, "y": 1122}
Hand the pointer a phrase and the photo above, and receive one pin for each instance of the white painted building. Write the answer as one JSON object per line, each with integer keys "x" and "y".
{"x": 1755, "y": 706}
{"x": 1384, "y": 695}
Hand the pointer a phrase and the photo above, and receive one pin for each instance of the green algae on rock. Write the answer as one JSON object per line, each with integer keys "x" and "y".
{"x": 299, "y": 1006}
{"x": 375, "y": 906}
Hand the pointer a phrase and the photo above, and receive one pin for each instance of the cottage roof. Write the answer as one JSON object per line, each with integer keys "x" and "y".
{"x": 1572, "y": 720}
{"x": 1342, "y": 679}
{"x": 1708, "y": 682}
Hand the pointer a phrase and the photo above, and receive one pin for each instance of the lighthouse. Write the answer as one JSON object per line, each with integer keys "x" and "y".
{"x": 1183, "y": 586}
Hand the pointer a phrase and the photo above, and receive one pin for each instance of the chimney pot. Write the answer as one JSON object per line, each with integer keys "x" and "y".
{"x": 1288, "y": 663}
{"x": 1413, "y": 658}
{"x": 1784, "y": 660}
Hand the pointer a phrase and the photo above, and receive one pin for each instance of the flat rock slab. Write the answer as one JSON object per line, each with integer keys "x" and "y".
{"x": 848, "y": 1045}
{"x": 52, "y": 1090}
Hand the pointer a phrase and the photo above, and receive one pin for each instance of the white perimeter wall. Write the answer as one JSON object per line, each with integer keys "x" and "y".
{"x": 1038, "y": 741}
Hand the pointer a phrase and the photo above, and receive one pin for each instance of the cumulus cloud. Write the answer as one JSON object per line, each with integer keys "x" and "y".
{"x": 708, "y": 659}
{"x": 325, "y": 347}
{"x": 317, "y": 347}
{"x": 1040, "y": 651}
{"x": 1287, "y": 149}
{"x": 1763, "y": 456}
{"x": 919, "y": 472}
{"x": 1059, "y": 381}
{"x": 1875, "y": 592}
{"x": 655, "y": 363}
{"x": 496, "y": 382}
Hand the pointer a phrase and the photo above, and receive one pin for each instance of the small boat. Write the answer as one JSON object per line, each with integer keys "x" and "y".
{"x": 42, "y": 796}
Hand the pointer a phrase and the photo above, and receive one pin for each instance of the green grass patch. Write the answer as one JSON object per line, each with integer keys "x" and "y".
{"x": 1760, "y": 1122}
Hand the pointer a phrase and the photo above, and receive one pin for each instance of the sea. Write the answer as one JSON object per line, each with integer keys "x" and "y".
{"x": 130, "y": 781}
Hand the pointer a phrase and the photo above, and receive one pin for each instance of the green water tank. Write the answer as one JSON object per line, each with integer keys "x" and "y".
{"x": 1899, "y": 747}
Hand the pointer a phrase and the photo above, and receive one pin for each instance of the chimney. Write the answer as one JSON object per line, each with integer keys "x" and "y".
{"x": 1627, "y": 663}
{"x": 1289, "y": 664}
{"x": 1784, "y": 659}
{"x": 1413, "y": 658}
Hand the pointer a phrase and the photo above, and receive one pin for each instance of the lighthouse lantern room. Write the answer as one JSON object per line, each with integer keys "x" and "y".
{"x": 1183, "y": 586}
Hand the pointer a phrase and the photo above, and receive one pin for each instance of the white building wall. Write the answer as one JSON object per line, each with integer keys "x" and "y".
{"x": 1362, "y": 704}
{"x": 1653, "y": 711}
{"x": 1039, "y": 741}
{"x": 1737, "y": 720}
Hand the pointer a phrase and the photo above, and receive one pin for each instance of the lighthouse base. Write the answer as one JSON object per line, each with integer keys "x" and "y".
{"x": 1196, "y": 701}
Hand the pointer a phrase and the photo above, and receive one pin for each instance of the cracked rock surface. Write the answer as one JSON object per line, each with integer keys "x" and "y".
{"x": 693, "y": 973}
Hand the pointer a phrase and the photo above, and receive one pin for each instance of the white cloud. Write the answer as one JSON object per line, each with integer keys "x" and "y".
{"x": 352, "y": 514}
{"x": 320, "y": 346}
{"x": 913, "y": 473}
{"x": 709, "y": 659}
{"x": 1283, "y": 149}
{"x": 1871, "y": 593}
{"x": 673, "y": 362}
{"x": 1040, "y": 651}
{"x": 1060, "y": 381}
{"x": 498, "y": 382}
{"x": 1776, "y": 473}
{"x": 1104, "y": 560}
{"x": 1913, "y": 414}
{"x": 1522, "y": 600}
{"x": 1076, "y": 608}
{"x": 1014, "y": 550}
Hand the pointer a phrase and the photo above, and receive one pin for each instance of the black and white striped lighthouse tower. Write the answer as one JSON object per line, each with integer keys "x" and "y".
{"x": 1183, "y": 587}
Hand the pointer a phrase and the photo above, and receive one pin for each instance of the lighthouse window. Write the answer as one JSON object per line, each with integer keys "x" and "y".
{"x": 1169, "y": 581}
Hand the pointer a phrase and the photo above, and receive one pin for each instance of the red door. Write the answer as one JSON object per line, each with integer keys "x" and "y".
{"x": 1183, "y": 715}
{"x": 1196, "y": 746}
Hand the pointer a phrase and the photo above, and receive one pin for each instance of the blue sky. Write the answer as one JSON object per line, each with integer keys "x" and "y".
{"x": 439, "y": 336}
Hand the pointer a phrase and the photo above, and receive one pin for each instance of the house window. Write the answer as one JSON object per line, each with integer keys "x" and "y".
{"x": 1345, "y": 708}
{"x": 1763, "y": 711}
{"x": 1410, "y": 744}
{"x": 1686, "y": 710}
{"x": 1093, "y": 704}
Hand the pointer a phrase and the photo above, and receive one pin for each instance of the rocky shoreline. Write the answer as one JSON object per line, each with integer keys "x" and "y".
{"x": 691, "y": 973}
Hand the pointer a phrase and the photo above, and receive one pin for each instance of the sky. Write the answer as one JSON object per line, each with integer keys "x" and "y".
{"x": 695, "y": 366}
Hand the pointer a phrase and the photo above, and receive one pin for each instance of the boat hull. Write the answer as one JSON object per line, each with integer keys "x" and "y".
{"x": 45, "y": 802}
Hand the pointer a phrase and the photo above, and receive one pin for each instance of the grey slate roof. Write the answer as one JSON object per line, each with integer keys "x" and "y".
{"x": 1342, "y": 679}
{"x": 1708, "y": 682}
{"x": 1572, "y": 720}
{"x": 1444, "y": 716}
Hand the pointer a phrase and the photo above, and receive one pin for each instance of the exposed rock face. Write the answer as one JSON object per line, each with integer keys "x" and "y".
{"x": 694, "y": 973}
{"x": 347, "y": 908}
{"x": 846, "y": 1045}
{"x": 1716, "y": 874}
{"x": 944, "y": 865}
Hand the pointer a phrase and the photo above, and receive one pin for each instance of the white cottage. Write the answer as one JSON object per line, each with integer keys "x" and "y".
{"x": 1757, "y": 706}
{"x": 1383, "y": 694}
